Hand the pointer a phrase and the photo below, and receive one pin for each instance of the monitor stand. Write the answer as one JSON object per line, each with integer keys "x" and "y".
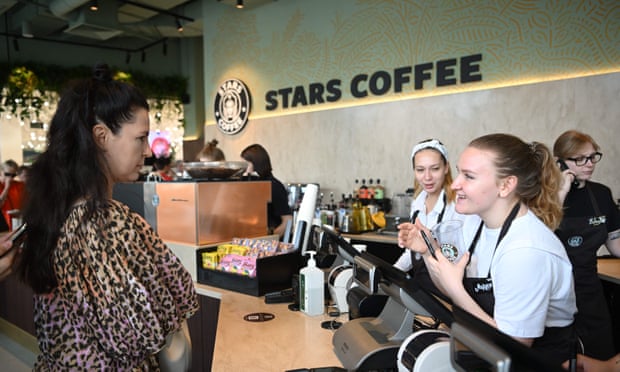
{"x": 373, "y": 343}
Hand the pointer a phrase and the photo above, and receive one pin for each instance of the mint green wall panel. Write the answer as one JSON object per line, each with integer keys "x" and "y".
{"x": 289, "y": 43}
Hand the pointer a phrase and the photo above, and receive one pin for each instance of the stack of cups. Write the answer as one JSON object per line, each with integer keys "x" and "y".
{"x": 305, "y": 217}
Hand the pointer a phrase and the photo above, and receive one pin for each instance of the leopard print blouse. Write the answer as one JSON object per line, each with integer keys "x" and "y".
{"x": 120, "y": 292}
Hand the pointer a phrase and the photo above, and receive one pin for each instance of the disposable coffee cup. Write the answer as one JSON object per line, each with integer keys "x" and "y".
{"x": 449, "y": 236}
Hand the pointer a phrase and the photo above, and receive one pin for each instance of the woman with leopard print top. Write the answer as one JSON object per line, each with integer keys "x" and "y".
{"x": 107, "y": 289}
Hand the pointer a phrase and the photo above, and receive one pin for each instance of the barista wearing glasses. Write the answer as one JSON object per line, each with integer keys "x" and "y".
{"x": 591, "y": 219}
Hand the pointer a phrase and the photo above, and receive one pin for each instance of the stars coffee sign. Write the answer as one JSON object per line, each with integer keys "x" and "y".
{"x": 232, "y": 106}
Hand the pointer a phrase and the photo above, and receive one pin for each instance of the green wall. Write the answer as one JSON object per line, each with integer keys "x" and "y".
{"x": 291, "y": 43}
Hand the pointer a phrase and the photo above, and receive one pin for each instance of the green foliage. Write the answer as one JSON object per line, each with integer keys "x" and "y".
{"x": 53, "y": 78}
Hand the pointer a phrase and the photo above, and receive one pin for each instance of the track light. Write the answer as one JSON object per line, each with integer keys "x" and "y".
{"x": 94, "y": 5}
{"x": 179, "y": 25}
{"x": 15, "y": 45}
{"x": 27, "y": 29}
{"x": 239, "y": 4}
{"x": 128, "y": 58}
{"x": 143, "y": 57}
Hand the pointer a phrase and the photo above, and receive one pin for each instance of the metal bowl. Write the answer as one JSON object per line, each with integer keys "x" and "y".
{"x": 214, "y": 169}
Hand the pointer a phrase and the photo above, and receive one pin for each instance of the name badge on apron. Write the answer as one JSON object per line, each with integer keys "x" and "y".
{"x": 484, "y": 285}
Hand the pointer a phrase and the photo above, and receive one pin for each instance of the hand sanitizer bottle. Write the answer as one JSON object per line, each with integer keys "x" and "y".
{"x": 311, "y": 288}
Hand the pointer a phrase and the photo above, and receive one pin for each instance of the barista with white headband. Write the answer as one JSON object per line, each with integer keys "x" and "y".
{"x": 434, "y": 199}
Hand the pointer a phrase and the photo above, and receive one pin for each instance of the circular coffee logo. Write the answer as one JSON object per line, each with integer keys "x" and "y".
{"x": 232, "y": 106}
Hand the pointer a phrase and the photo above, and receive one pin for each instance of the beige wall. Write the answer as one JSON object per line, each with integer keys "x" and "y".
{"x": 334, "y": 147}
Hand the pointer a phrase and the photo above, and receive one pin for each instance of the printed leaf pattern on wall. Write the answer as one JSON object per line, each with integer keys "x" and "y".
{"x": 522, "y": 41}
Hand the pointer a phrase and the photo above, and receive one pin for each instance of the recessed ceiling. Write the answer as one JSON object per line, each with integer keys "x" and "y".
{"x": 122, "y": 25}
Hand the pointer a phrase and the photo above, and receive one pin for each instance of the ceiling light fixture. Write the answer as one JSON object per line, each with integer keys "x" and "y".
{"x": 179, "y": 25}
{"x": 27, "y": 29}
{"x": 239, "y": 4}
{"x": 94, "y": 5}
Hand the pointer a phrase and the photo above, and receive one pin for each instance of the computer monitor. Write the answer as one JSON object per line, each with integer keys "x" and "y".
{"x": 343, "y": 248}
{"x": 415, "y": 297}
{"x": 476, "y": 345}
{"x": 388, "y": 274}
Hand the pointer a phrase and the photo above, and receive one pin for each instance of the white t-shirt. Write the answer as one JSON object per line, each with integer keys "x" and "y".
{"x": 428, "y": 219}
{"x": 532, "y": 276}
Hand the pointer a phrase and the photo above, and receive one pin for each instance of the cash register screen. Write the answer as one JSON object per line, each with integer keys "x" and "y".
{"x": 477, "y": 346}
{"x": 470, "y": 352}
{"x": 342, "y": 247}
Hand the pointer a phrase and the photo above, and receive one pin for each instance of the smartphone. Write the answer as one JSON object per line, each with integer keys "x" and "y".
{"x": 17, "y": 237}
{"x": 428, "y": 244}
{"x": 562, "y": 164}
{"x": 563, "y": 167}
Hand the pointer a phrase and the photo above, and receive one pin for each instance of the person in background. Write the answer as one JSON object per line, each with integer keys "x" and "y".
{"x": 22, "y": 173}
{"x": 591, "y": 219}
{"x": 107, "y": 290}
{"x": 162, "y": 168}
{"x": 434, "y": 199}
{"x": 211, "y": 152}
{"x": 504, "y": 278}
{"x": 278, "y": 211}
{"x": 11, "y": 193}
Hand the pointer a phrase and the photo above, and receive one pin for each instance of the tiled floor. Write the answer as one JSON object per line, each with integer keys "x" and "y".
{"x": 13, "y": 356}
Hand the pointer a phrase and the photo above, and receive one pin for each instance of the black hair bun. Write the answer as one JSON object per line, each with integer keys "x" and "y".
{"x": 101, "y": 72}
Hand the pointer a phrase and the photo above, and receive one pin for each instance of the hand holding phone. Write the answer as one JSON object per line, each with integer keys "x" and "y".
{"x": 563, "y": 166}
{"x": 428, "y": 244}
{"x": 17, "y": 238}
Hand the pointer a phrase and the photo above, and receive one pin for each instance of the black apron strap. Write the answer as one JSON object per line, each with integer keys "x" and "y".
{"x": 597, "y": 211}
{"x": 505, "y": 226}
{"x": 443, "y": 210}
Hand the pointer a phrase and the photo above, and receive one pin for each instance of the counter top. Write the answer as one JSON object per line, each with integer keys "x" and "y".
{"x": 291, "y": 340}
{"x": 609, "y": 269}
{"x": 373, "y": 236}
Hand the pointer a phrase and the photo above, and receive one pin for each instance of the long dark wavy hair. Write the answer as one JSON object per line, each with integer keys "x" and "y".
{"x": 72, "y": 168}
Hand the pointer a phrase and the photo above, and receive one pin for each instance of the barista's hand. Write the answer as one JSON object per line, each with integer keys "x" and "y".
{"x": 568, "y": 177}
{"x": 6, "y": 260}
{"x": 446, "y": 275}
{"x": 409, "y": 237}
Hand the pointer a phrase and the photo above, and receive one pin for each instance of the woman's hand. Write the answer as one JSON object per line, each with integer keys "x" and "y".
{"x": 447, "y": 275}
{"x": 409, "y": 237}
{"x": 6, "y": 259}
{"x": 568, "y": 177}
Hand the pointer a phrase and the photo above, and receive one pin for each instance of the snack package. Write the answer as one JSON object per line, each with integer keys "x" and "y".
{"x": 285, "y": 247}
{"x": 231, "y": 263}
{"x": 239, "y": 250}
{"x": 210, "y": 260}
{"x": 248, "y": 266}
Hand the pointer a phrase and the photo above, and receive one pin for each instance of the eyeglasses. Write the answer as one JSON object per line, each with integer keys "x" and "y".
{"x": 9, "y": 174}
{"x": 582, "y": 160}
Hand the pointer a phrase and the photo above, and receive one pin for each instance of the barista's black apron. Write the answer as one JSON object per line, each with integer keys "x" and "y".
{"x": 556, "y": 342}
{"x": 582, "y": 237}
